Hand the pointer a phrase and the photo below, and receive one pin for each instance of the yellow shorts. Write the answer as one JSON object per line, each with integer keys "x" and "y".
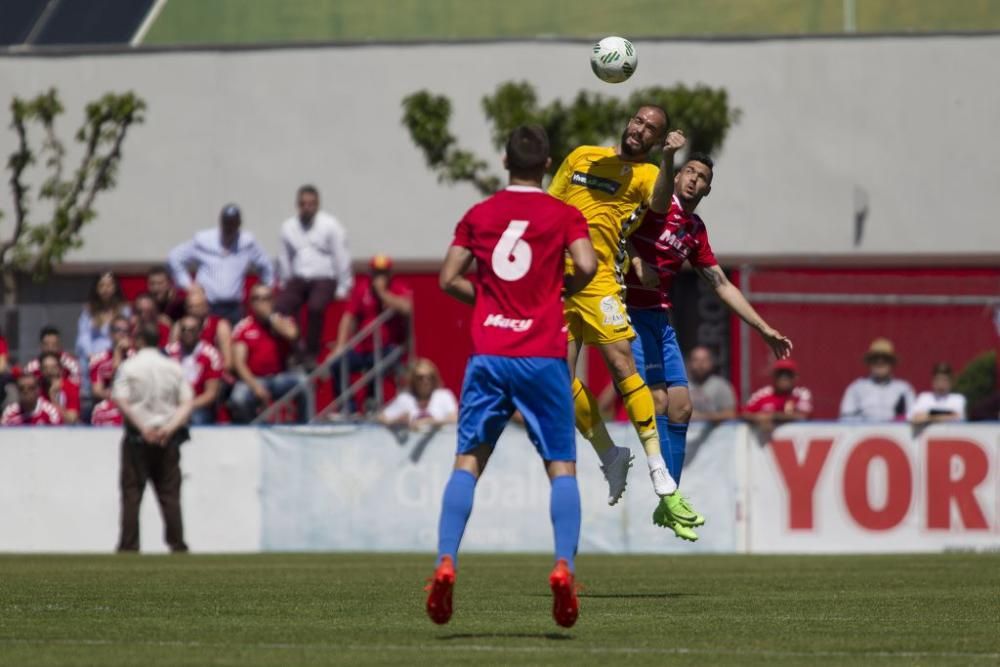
{"x": 597, "y": 320}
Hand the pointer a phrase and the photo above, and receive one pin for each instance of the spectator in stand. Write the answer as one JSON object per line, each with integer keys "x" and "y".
{"x": 221, "y": 259}
{"x": 315, "y": 266}
{"x": 425, "y": 403}
{"x": 712, "y": 397}
{"x": 780, "y": 402}
{"x": 147, "y": 314}
{"x": 31, "y": 408}
{"x": 104, "y": 303}
{"x": 106, "y": 413}
{"x": 202, "y": 366}
{"x": 261, "y": 344}
{"x": 214, "y": 330}
{"x": 155, "y": 399}
{"x": 104, "y": 365}
{"x": 879, "y": 397}
{"x": 940, "y": 404}
{"x": 161, "y": 288}
{"x": 50, "y": 340}
{"x": 62, "y": 393}
{"x": 369, "y": 299}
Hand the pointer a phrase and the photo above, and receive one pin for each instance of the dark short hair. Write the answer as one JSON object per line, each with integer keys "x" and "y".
{"x": 158, "y": 270}
{"x": 704, "y": 158}
{"x": 942, "y": 368}
{"x": 46, "y": 355}
{"x": 527, "y": 149}
{"x": 149, "y": 335}
{"x": 49, "y": 330}
{"x": 307, "y": 190}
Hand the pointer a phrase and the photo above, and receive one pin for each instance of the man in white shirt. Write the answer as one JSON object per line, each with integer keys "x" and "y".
{"x": 155, "y": 400}
{"x": 940, "y": 404}
{"x": 879, "y": 397}
{"x": 221, "y": 259}
{"x": 315, "y": 264}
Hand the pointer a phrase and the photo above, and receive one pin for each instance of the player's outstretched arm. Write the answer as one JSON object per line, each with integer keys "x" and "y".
{"x": 663, "y": 189}
{"x": 452, "y": 277}
{"x": 584, "y": 265}
{"x": 734, "y": 299}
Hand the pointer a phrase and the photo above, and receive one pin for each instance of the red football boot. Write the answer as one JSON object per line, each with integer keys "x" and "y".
{"x": 565, "y": 605}
{"x": 439, "y": 591}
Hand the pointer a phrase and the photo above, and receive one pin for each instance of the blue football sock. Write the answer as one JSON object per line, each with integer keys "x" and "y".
{"x": 564, "y": 508}
{"x": 673, "y": 439}
{"x": 455, "y": 510}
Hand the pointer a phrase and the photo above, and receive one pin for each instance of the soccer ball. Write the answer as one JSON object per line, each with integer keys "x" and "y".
{"x": 614, "y": 59}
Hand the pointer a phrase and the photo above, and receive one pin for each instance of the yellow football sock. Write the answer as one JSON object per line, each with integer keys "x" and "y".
{"x": 588, "y": 418}
{"x": 641, "y": 411}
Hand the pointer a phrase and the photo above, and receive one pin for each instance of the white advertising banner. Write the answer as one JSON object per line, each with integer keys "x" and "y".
{"x": 59, "y": 491}
{"x": 363, "y": 490}
{"x": 882, "y": 488}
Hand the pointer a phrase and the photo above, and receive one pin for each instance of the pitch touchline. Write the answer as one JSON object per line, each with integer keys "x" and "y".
{"x": 510, "y": 649}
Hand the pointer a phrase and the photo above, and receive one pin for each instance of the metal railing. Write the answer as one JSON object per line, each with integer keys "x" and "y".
{"x": 383, "y": 362}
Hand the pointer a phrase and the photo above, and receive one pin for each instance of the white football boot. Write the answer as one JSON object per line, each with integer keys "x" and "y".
{"x": 616, "y": 473}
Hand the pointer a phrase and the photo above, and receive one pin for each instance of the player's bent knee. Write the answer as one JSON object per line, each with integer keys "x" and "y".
{"x": 679, "y": 406}
{"x": 560, "y": 469}
{"x": 619, "y": 358}
{"x": 475, "y": 461}
{"x": 661, "y": 399}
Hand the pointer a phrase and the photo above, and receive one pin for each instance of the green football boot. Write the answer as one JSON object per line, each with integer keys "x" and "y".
{"x": 682, "y": 511}
{"x": 662, "y": 517}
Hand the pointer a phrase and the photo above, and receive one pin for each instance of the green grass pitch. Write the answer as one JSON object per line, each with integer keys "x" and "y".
{"x": 252, "y": 21}
{"x": 364, "y": 609}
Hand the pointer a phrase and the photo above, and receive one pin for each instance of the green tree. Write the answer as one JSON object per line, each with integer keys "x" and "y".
{"x": 701, "y": 112}
{"x": 35, "y": 247}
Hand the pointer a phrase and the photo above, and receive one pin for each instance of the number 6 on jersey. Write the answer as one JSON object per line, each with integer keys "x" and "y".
{"x": 512, "y": 256}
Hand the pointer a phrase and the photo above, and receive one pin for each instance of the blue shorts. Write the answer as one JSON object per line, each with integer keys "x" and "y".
{"x": 657, "y": 354}
{"x": 539, "y": 387}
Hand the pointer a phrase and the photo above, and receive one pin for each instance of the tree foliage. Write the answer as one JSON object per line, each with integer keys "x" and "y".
{"x": 977, "y": 381}
{"x": 703, "y": 114}
{"x": 34, "y": 246}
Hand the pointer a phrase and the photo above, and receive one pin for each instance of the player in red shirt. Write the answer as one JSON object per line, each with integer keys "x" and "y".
{"x": 103, "y": 365}
{"x": 518, "y": 239}
{"x": 50, "y": 340}
{"x": 106, "y": 413}
{"x": 262, "y": 342}
{"x": 31, "y": 408}
{"x": 781, "y": 401}
{"x": 202, "y": 365}
{"x": 62, "y": 393}
{"x": 670, "y": 233}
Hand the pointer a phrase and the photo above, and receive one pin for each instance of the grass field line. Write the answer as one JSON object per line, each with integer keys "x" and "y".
{"x": 489, "y": 648}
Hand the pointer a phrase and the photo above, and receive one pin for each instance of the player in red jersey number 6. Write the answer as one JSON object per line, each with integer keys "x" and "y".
{"x": 518, "y": 239}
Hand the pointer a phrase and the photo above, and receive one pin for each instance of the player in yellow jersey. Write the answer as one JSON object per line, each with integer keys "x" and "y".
{"x": 610, "y": 186}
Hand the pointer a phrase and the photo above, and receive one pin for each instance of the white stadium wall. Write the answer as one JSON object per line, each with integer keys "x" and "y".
{"x": 902, "y": 122}
{"x": 818, "y": 488}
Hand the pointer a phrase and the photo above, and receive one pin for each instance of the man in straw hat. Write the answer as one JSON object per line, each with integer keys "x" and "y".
{"x": 879, "y": 396}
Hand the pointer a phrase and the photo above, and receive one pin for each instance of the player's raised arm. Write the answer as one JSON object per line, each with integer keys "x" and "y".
{"x": 733, "y": 297}
{"x": 584, "y": 265}
{"x": 452, "y": 277}
{"x": 663, "y": 189}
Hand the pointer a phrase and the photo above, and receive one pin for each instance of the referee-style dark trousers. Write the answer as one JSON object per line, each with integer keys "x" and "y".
{"x": 140, "y": 462}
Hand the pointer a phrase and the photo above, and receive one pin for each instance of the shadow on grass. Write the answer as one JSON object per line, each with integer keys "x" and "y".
{"x": 552, "y": 636}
